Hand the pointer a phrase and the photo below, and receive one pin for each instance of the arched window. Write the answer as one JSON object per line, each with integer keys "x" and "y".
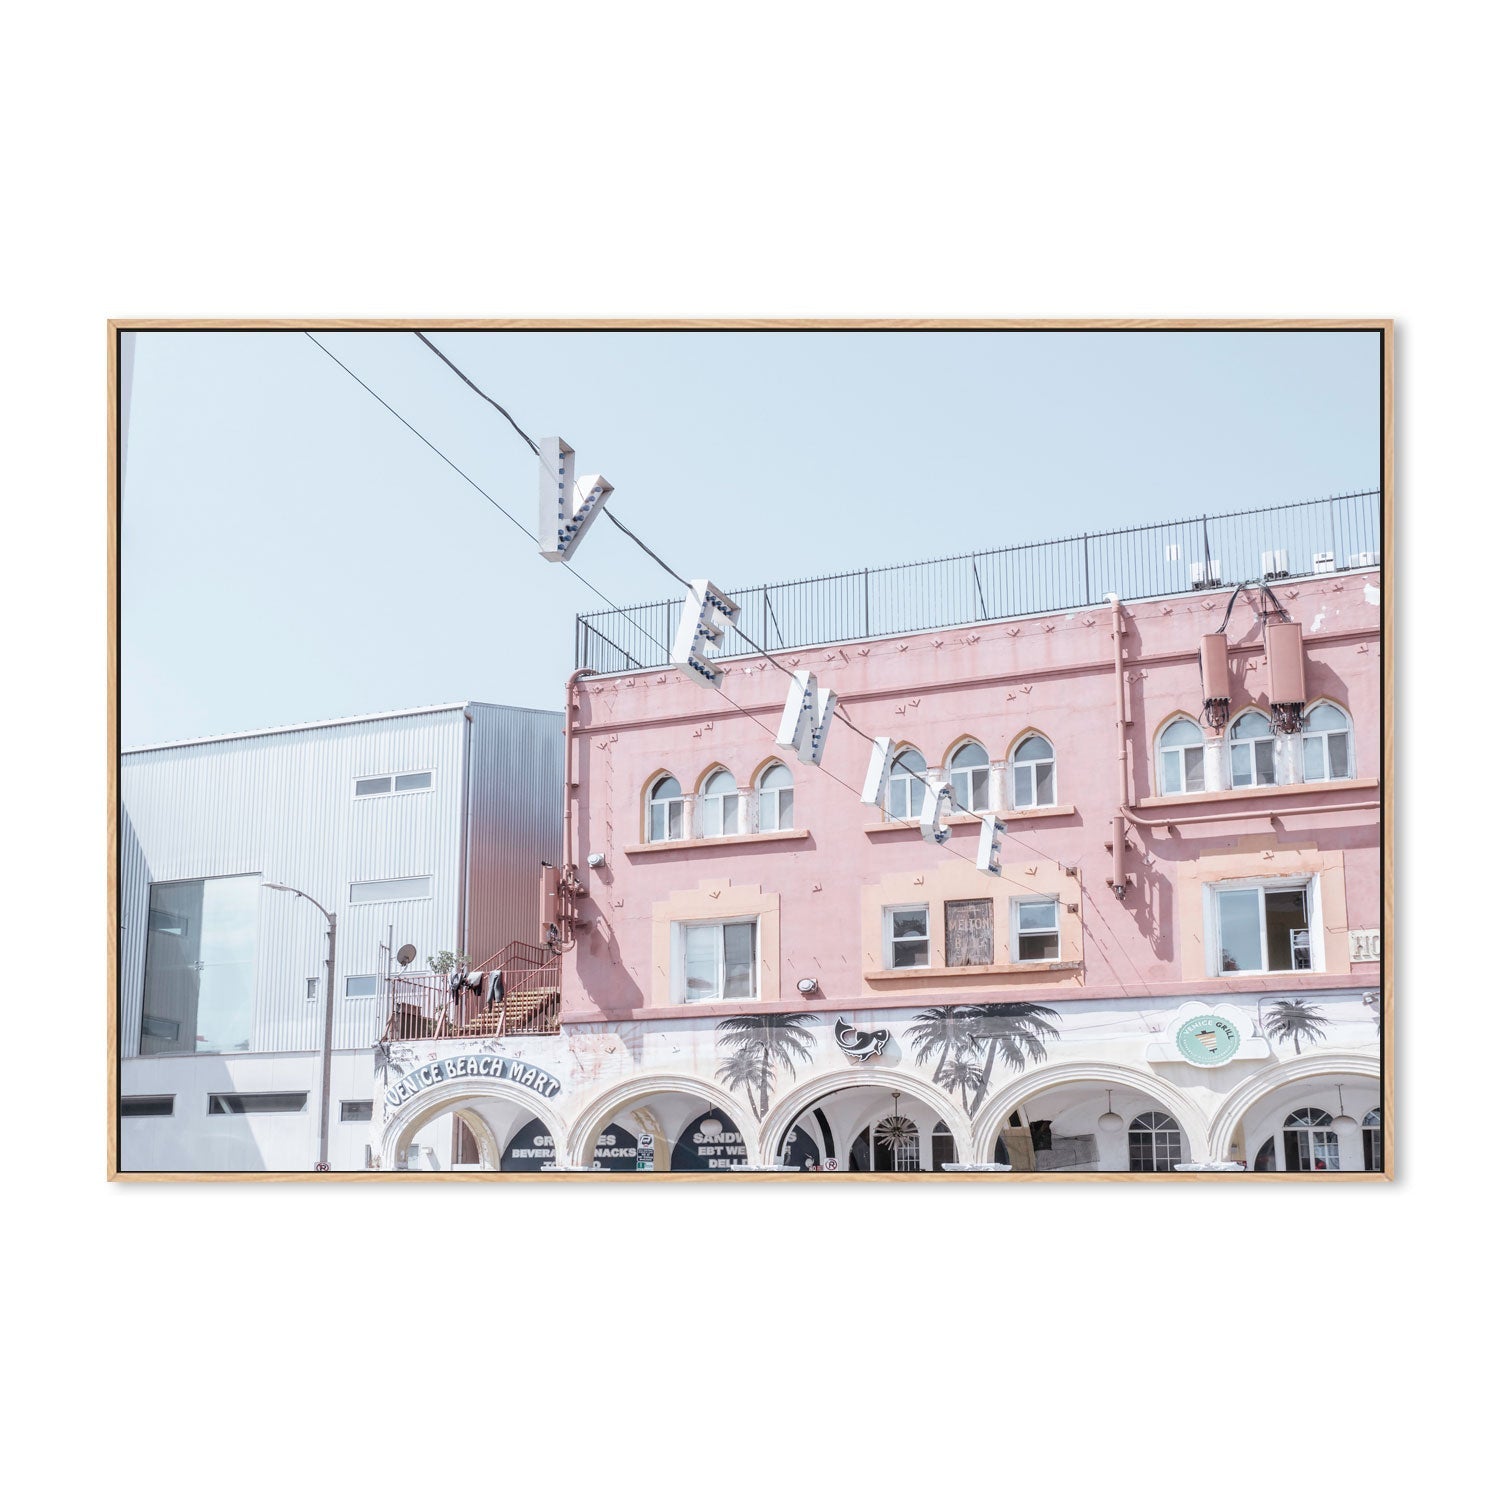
{"x": 1310, "y": 1141}
{"x": 1374, "y": 1142}
{"x": 969, "y": 771}
{"x": 1326, "y": 745}
{"x": 1252, "y": 751}
{"x": 665, "y": 818}
{"x": 775, "y": 798}
{"x": 908, "y": 783}
{"x": 1155, "y": 1142}
{"x": 1179, "y": 758}
{"x": 1033, "y": 780}
{"x": 719, "y": 806}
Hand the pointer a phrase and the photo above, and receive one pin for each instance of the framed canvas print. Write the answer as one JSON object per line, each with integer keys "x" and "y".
{"x": 775, "y": 751}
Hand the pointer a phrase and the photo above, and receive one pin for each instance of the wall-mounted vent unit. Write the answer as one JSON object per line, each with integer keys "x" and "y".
{"x": 1273, "y": 564}
{"x": 1213, "y": 661}
{"x": 1364, "y": 559}
{"x": 1206, "y": 574}
{"x": 1322, "y": 562}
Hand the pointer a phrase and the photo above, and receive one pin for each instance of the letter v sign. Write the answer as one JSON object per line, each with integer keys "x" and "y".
{"x": 566, "y": 509}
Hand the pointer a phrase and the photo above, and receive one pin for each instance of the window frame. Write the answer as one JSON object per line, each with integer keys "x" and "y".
{"x": 777, "y": 793}
{"x": 705, "y": 799}
{"x": 1323, "y": 735}
{"x": 1042, "y": 899}
{"x": 1311, "y": 1129}
{"x": 679, "y": 960}
{"x": 961, "y": 778}
{"x": 907, "y": 778}
{"x": 430, "y": 772}
{"x": 889, "y": 939}
{"x": 374, "y": 991}
{"x": 1164, "y": 752}
{"x": 680, "y": 801}
{"x": 1017, "y": 766}
{"x": 1309, "y": 884}
{"x": 1160, "y": 1161}
{"x": 1252, "y": 744}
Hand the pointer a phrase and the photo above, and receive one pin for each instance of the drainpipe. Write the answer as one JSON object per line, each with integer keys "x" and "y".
{"x": 1171, "y": 821}
{"x": 569, "y": 862}
{"x": 1117, "y": 622}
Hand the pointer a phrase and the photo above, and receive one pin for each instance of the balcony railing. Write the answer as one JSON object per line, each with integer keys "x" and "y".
{"x": 517, "y": 993}
{"x": 1140, "y": 562}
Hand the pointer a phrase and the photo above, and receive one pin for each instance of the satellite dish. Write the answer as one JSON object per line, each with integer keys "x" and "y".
{"x": 405, "y": 954}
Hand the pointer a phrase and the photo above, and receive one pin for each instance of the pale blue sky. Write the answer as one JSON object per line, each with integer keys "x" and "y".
{"x": 289, "y": 551}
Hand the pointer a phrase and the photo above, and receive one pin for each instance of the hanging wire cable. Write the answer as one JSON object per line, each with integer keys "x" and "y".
{"x": 524, "y": 438}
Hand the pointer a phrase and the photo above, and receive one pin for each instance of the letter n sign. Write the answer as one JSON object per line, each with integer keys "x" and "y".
{"x": 566, "y": 509}
{"x": 806, "y": 717}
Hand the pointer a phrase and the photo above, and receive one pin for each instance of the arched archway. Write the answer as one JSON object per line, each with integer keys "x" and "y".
{"x": 490, "y": 1109}
{"x": 1099, "y": 1078}
{"x": 875, "y": 1087}
{"x": 1288, "y": 1079}
{"x": 668, "y": 1102}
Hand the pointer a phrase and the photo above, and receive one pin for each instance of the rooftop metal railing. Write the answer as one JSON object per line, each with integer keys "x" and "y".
{"x": 525, "y": 1002}
{"x": 1137, "y": 562}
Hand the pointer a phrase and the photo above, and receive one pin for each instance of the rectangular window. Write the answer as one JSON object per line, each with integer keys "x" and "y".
{"x": 407, "y": 888}
{"x": 1263, "y": 929}
{"x": 968, "y": 933}
{"x": 256, "y": 1104}
{"x": 382, "y": 786}
{"x": 1036, "y": 932}
{"x": 356, "y": 1109}
{"x": 200, "y": 965}
{"x": 135, "y": 1105}
{"x": 312, "y": 989}
{"x": 361, "y": 986}
{"x": 718, "y": 960}
{"x": 906, "y": 938}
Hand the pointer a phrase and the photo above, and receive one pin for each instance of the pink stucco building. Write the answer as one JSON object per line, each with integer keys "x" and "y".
{"x": 1173, "y": 959}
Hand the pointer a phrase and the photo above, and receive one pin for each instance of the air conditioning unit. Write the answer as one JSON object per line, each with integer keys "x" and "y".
{"x": 1273, "y": 564}
{"x": 1363, "y": 559}
{"x": 1322, "y": 562}
{"x": 1206, "y": 575}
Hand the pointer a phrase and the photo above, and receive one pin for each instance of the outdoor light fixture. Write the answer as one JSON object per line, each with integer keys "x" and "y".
{"x": 807, "y": 986}
{"x": 595, "y": 860}
{"x": 1109, "y": 1122}
{"x": 1344, "y": 1121}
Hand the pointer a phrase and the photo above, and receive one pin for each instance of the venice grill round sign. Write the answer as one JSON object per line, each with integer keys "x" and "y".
{"x": 1208, "y": 1041}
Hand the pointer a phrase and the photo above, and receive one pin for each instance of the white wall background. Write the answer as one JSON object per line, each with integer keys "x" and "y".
{"x": 966, "y": 159}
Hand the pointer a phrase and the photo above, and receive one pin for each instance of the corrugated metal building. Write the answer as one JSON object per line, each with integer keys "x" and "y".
{"x": 424, "y": 826}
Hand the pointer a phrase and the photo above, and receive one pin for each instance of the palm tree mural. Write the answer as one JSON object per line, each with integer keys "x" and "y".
{"x": 1293, "y": 1020}
{"x": 967, "y": 1040}
{"x": 757, "y": 1046}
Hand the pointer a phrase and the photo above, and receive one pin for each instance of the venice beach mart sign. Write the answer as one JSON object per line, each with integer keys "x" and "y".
{"x": 568, "y": 507}
{"x": 449, "y": 1069}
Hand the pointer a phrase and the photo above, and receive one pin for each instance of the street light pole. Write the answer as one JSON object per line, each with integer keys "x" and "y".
{"x": 333, "y": 927}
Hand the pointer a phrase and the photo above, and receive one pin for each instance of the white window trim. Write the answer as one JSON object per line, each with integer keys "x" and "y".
{"x": 1016, "y": 903}
{"x": 409, "y": 791}
{"x": 1322, "y": 734}
{"x": 1311, "y": 883}
{"x": 1013, "y": 768}
{"x": 679, "y": 962}
{"x": 1206, "y": 744}
{"x": 387, "y": 900}
{"x": 682, "y": 801}
{"x": 902, "y": 773}
{"x": 761, "y": 791}
{"x": 1278, "y": 755}
{"x": 704, "y": 801}
{"x": 887, "y": 922}
{"x": 374, "y": 993}
{"x": 962, "y": 780}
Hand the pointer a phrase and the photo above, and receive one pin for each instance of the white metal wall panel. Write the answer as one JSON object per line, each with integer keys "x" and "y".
{"x": 135, "y": 886}
{"x": 282, "y": 806}
{"x": 516, "y": 781}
